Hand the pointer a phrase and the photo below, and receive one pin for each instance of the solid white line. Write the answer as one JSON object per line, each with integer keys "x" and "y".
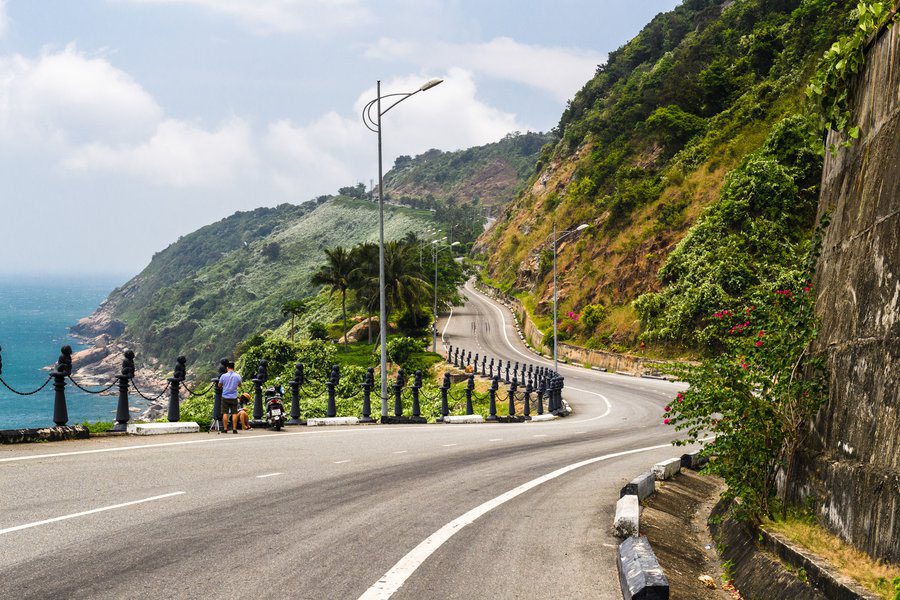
{"x": 448, "y": 445}
{"x": 401, "y": 451}
{"x": 268, "y": 475}
{"x": 87, "y": 512}
{"x": 340, "y": 462}
{"x": 398, "y": 574}
{"x": 541, "y": 435}
{"x": 495, "y": 440}
{"x": 444, "y": 332}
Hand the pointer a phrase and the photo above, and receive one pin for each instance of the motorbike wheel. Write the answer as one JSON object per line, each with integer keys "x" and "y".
{"x": 277, "y": 425}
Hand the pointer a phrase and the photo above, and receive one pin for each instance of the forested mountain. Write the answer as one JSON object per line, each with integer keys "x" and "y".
{"x": 485, "y": 175}
{"x": 228, "y": 280}
{"x": 692, "y": 156}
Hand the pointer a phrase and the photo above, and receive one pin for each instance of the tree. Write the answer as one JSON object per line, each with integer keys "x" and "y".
{"x": 364, "y": 278}
{"x": 293, "y": 309}
{"x": 405, "y": 285}
{"x": 336, "y": 274}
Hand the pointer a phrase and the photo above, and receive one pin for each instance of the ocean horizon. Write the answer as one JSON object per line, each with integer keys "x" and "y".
{"x": 36, "y": 312}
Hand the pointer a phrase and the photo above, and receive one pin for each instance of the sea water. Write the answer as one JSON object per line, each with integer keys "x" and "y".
{"x": 35, "y": 314}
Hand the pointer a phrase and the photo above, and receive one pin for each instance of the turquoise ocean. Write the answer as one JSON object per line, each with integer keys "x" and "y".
{"x": 35, "y": 314}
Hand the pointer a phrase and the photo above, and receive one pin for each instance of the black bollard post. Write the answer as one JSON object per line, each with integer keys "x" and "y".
{"x": 295, "y": 384}
{"x": 512, "y": 399}
{"x": 559, "y": 390}
{"x": 506, "y": 379}
{"x": 499, "y": 367}
{"x": 368, "y": 382}
{"x": 331, "y": 410}
{"x": 417, "y": 385}
{"x": 483, "y": 366}
{"x": 262, "y": 374}
{"x": 540, "y": 398}
{"x": 398, "y": 391}
{"x": 336, "y": 374}
{"x": 450, "y": 354}
{"x": 122, "y": 413}
{"x": 445, "y": 388}
{"x": 59, "y": 374}
{"x": 470, "y": 388}
{"x": 178, "y": 376}
{"x": 492, "y": 393}
{"x": 528, "y": 391}
{"x": 475, "y": 364}
{"x": 217, "y": 395}
{"x": 516, "y": 372}
{"x": 456, "y": 358}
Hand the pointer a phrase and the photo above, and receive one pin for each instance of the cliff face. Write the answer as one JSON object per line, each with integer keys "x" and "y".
{"x": 852, "y": 465}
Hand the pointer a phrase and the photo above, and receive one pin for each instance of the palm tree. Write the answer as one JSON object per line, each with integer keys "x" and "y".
{"x": 293, "y": 308}
{"x": 405, "y": 286}
{"x": 364, "y": 278}
{"x": 335, "y": 273}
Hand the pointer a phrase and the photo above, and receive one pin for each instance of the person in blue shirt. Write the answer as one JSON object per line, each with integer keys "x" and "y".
{"x": 229, "y": 382}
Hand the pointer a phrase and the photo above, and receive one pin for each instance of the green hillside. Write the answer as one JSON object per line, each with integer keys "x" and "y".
{"x": 692, "y": 156}
{"x": 226, "y": 281}
{"x": 487, "y": 175}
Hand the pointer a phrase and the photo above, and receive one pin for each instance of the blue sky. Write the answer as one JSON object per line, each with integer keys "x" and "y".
{"x": 126, "y": 123}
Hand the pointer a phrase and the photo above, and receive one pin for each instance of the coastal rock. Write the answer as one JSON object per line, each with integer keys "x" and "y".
{"x": 360, "y": 331}
{"x": 89, "y": 356}
{"x": 99, "y": 323}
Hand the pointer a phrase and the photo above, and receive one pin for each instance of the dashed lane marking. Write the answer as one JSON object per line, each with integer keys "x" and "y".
{"x": 268, "y": 475}
{"x": 340, "y": 462}
{"x": 87, "y": 512}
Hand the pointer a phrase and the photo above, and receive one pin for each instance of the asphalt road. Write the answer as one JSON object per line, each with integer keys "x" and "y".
{"x": 426, "y": 511}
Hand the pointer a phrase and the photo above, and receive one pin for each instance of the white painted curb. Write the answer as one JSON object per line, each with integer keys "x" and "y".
{"x": 628, "y": 514}
{"x": 666, "y": 469}
{"x": 543, "y": 417}
{"x": 162, "y": 428}
{"x": 322, "y": 421}
{"x": 464, "y": 419}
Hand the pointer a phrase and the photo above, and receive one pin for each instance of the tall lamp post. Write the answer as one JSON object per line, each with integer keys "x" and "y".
{"x": 373, "y": 123}
{"x": 556, "y": 241}
{"x": 435, "y": 254}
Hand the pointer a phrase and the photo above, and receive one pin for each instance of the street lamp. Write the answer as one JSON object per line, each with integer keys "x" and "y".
{"x": 373, "y": 123}
{"x": 556, "y": 240}
{"x": 436, "y": 248}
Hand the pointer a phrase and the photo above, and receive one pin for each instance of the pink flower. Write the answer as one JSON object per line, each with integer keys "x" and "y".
{"x": 759, "y": 343}
{"x": 666, "y": 421}
{"x": 668, "y": 408}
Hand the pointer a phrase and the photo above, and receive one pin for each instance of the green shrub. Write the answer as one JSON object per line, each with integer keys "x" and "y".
{"x": 318, "y": 331}
{"x": 592, "y": 315}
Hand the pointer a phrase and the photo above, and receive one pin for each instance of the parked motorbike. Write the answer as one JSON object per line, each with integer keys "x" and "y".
{"x": 275, "y": 407}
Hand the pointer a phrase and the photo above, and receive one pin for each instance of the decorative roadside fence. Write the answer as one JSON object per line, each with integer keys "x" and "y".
{"x": 531, "y": 387}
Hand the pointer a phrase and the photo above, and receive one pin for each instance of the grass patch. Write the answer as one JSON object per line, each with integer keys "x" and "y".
{"x": 880, "y": 578}
{"x": 99, "y": 426}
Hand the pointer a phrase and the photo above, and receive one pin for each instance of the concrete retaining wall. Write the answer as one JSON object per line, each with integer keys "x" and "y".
{"x": 852, "y": 463}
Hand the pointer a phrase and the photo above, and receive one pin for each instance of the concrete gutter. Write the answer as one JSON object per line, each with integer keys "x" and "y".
{"x": 162, "y": 428}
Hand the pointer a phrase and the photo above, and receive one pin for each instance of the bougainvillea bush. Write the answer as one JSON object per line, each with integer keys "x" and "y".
{"x": 753, "y": 402}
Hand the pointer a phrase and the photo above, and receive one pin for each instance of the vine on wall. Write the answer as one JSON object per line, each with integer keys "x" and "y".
{"x": 829, "y": 89}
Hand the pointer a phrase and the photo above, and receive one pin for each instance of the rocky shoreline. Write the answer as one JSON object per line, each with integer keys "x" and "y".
{"x": 101, "y": 361}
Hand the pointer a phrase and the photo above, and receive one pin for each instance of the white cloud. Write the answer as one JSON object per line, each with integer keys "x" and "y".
{"x": 177, "y": 154}
{"x": 68, "y": 97}
{"x": 4, "y": 20}
{"x": 559, "y": 71}
{"x": 335, "y": 150}
{"x": 282, "y": 15}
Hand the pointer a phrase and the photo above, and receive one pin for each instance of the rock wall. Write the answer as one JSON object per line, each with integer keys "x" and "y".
{"x": 852, "y": 464}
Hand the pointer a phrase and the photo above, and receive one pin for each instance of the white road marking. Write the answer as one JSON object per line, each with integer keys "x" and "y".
{"x": 401, "y": 451}
{"x": 398, "y": 574}
{"x": 495, "y": 440}
{"x": 541, "y": 435}
{"x": 283, "y": 434}
{"x": 87, "y": 512}
{"x": 340, "y": 462}
{"x": 268, "y": 475}
{"x": 444, "y": 332}
{"x": 448, "y": 445}
{"x": 581, "y": 432}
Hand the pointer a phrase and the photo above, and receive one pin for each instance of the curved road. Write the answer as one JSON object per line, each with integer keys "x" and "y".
{"x": 430, "y": 511}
